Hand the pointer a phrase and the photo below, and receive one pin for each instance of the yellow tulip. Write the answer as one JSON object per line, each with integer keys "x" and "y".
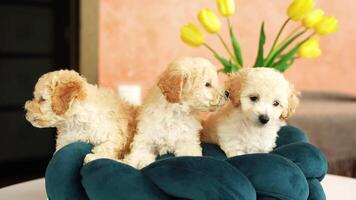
{"x": 191, "y": 35}
{"x": 312, "y": 18}
{"x": 209, "y": 20}
{"x": 299, "y": 8}
{"x": 310, "y": 49}
{"x": 327, "y": 25}
{"x": 226, "y": 7}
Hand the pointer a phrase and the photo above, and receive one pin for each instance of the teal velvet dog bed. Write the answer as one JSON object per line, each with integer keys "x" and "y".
{"x": 293, "y": 171}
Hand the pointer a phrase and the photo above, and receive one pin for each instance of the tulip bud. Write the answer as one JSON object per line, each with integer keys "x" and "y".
{"x": 191, "y": 35}
{"x": 209, "y": 20}
{"x": 327, "y": 25}
{"x": 226, "y": 7}
{"x": 310, "y": 49}
{"x": 299, "y": 8}
{"x": 312, "y": 18}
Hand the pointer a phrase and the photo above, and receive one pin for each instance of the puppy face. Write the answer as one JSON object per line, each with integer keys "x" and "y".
{"x": 193, "y": 82}
{"x": 53, "y": 96}
{"x": 263, "y": 95}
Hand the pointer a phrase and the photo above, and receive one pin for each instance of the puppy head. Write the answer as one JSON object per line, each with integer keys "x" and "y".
{"x": 54, "y": 94}
{"x": 263, "y": 95}
{"x": 193, "y": 82}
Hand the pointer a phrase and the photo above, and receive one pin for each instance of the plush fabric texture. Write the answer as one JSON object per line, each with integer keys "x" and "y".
{"x": 206, "y": 178}
{"x": 289, "y": 135}
{"x": 63, "y": 180}
{"x": 316, "y": 190}
{"x": 264, "y": 171}
{"x": 313, "y": 165}
{"x": 108, "y": 179}
{"x": 291, "y": 172}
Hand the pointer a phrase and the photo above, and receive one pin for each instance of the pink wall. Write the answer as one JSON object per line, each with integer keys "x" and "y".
{"x": 137, "y": 38}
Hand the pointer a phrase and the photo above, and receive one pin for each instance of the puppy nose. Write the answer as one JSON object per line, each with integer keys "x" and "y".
{"x": 263, "y": 119}
{"x": 227, "y": 94}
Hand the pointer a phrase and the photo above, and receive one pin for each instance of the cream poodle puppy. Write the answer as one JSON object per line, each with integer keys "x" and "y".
{"x": 82, "y": 112}
{"x": 168, "y": 121}
{"x": 261, "y": 100}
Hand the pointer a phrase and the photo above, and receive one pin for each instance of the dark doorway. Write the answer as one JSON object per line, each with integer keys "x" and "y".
{"x": 36, "y": 36}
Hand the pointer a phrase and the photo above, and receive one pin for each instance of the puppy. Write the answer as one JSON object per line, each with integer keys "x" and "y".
{"x": 168, "y": 120}
{"x": 261, "y": 100}
{"x": 82, "y": 112}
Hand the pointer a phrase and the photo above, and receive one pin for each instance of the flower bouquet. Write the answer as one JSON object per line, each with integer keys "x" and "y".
{"x": 301, "y": 42}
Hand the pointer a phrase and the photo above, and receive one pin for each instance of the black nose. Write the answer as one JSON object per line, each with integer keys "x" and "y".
{"x": 263, "y": 119}
{"x": 227, "y": 93}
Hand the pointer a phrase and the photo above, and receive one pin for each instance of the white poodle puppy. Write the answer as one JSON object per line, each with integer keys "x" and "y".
{"x": 82, "y": 112}
{"x": 168, "y": 121}
{"x": 261, "y": 100}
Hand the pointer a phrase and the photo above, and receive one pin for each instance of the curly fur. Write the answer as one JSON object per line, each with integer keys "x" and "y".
{"x": 237, "y": 128}
{"x": 82, "y": 112}
{"x": 168, "y": 121}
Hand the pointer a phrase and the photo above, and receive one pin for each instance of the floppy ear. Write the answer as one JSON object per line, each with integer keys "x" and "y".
{"x": 171, "y": 85}
{"x": 64, "y": 94}
{"x": 293, "y": 102}
{"x": 234, "y": 84}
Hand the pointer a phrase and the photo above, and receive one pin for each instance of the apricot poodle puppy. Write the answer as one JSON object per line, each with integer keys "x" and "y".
{"x": 82, "y": 112}
{"x": 261, "y": 100}
{"x": 168, "y": 121}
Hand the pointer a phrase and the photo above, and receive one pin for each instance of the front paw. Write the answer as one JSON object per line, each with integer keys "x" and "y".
{"x": 232, "y": 153}
{"x": 189, "y": 152}
{"x": 138, "y": 163}
{"x": 90, "y": 157}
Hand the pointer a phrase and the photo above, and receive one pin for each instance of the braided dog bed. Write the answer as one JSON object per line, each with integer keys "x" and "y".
{"x": 293, "y": 171}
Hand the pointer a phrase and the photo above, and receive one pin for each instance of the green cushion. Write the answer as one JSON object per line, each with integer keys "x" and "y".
{"x": 316, "y": 191}
{"x": 314, "y": 165}
{"x": 63, "y": 180}
{"x": 290, "y": 134}
{"x": 261, "y": 197}
{"x": 214, "y": 151}
{"x": 108, "y": 179}
{"x": 277, "y": 175}
{"x": 200, "y": 178}
{"x": 273, "y": 175}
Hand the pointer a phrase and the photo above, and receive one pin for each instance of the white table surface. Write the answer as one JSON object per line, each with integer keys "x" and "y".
{"x": 335, "y": 187}
{"x": 30, "y": 190}
{"x": 339, "y": 187}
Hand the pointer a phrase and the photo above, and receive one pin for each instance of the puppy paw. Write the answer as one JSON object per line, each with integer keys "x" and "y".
{"x": 233, "y": 153}
{"x": 143, "y": 163}
{"x": 138, "y": 163}
{"x": 90, "y": 157}
{"x": 189, "y": 152}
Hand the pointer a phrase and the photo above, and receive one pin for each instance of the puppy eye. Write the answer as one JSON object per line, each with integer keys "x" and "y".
{"x": 207, "y": 84}
{"x": 41, "y": 100}
{"x": 254, "y": 98}
{"x": 275, "y": 103}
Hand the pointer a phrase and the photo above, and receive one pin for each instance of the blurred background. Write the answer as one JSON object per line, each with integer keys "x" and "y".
{"x": 125, "y": 45}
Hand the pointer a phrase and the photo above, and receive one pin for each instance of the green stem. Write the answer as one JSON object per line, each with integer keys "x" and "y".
{"x": 211, "y": 49}
{"x": 279, "y": 35}
{"x": 311, "y": 35}
{"x": 273, "y": 53}
{"x": 227, "y": 49}
{"x": 230, "y": 31}
{"x": 290, "y": 35}
{"x": 283, "y": 43}
{"x": 229, "y": 23}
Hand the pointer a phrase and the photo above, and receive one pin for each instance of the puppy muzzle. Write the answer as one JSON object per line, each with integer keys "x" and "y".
{"x": 263, "y": 119}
